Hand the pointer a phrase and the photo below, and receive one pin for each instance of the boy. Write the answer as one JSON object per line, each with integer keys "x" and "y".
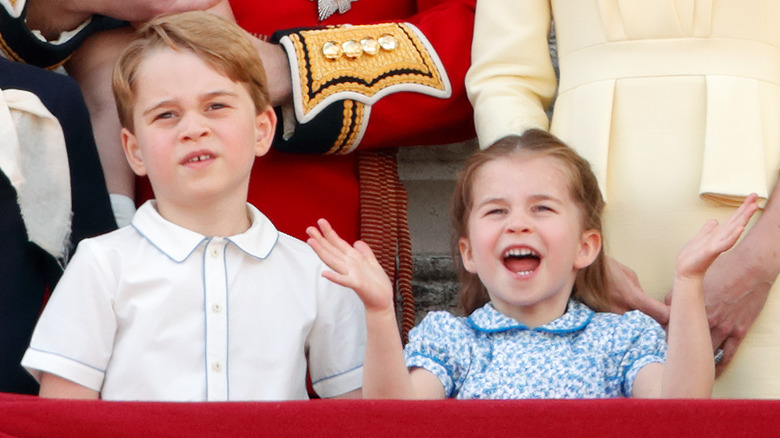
{"x": 165, "y": 309}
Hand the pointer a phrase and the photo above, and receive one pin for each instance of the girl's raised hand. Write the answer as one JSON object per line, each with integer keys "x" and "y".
{"x": 354, "y": 267}
{"x": 698, "y": 254}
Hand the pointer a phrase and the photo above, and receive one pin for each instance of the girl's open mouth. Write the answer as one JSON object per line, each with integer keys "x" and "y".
{"x": 521, "y": 261}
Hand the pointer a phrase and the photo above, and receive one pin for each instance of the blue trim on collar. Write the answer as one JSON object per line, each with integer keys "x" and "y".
{"x": 178, "y": 243}
{"x": 489, "y": 320}
{"x": 261, "y": 237}
{"x": 162, "y": 250}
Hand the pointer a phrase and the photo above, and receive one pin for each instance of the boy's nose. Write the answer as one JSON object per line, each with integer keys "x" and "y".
{"x": 193, "y": 127}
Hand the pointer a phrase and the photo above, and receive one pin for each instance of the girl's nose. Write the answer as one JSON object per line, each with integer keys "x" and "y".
{"x": 518, "y": 223}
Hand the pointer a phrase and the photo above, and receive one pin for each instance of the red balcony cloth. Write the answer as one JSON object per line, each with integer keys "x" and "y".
{"x": 28, "y": 416}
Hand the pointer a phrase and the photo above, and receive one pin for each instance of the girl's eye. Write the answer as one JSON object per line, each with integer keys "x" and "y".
{"x": 494, "y": 211}
{"x": 542, "y": 208}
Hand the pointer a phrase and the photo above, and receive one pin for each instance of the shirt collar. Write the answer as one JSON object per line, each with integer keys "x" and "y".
{"x": 178, "y": 243}
{"x": 488, "y": 319}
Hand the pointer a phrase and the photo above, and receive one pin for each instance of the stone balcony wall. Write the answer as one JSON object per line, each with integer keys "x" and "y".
{"x": 429, "y": 174}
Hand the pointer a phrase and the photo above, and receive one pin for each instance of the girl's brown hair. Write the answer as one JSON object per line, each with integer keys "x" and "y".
{"x": 590, "y": 285}
{"x": 222, "y": 45}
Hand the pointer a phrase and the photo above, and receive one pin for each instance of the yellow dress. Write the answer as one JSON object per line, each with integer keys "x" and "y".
{"x": 676, "y": 104}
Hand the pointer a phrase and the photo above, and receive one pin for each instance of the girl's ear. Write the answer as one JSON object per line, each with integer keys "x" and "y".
{"x": 132, "y": 152}
{"x": 590, "y": 245}
{"x": 464, "y": 246}
{"x": 265, "y": 127}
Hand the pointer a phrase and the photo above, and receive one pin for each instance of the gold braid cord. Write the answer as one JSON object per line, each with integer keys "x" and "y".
{"x": 384, "y": 227}
{"x": 354, "y": 117}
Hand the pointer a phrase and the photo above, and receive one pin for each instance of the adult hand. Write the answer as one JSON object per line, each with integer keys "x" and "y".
{"x": 627, "y": 294}
{"x": 738, "y": 282}
{"x": 275, "y": 63}
{"x": 52, "y": 17}
{"x": 277, "y": 71}
{"x": 735, "y": 290}
{"x": 134, "y": 10}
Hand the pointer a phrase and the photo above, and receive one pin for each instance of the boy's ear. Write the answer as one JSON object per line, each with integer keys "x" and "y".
{"x": 590, "y": 245}
{"x": 132, "y": 152}
{"x": 265, "y": 127}
{"x": 464, "y": 246}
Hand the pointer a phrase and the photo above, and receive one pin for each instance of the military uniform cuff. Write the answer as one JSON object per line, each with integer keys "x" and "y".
{"x": 340, "y": 72}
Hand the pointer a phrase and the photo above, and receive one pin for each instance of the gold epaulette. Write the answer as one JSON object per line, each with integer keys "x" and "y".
{"x": 361, "y": 63}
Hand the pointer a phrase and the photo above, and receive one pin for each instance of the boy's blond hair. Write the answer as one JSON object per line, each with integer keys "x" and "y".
{"x": 222, "y": 45}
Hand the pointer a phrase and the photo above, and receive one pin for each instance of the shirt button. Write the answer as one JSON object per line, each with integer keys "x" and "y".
{"x": 217, "y": 366}
{"x": 214, "y": 252}
{"x": 216, "y": 307}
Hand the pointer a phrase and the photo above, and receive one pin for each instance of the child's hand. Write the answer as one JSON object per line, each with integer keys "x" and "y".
{"x": 354, "y": 267}
{"x": 698, "y": 254}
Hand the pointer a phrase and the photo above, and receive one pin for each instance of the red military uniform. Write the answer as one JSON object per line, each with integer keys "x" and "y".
{"x": 294, "y": 189}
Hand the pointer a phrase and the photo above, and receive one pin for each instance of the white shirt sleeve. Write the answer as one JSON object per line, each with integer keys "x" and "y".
{"x": 337, "y": 341}
{"x": 75, "y": 334}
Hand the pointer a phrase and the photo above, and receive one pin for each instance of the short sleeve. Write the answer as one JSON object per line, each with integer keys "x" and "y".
{"x": 337, "y": 341}
{"x": 441, "y": 344}
{"x": 74, "y": 336}
{"x": 645, "y": 344}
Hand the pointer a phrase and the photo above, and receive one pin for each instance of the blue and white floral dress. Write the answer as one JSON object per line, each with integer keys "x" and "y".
{"x": 582, "y": 354}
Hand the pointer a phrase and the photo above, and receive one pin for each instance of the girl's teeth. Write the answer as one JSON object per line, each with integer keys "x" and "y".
{"x": 519, "y": 252}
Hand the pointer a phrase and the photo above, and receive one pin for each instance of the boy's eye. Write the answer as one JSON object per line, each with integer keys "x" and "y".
{"x": 216, "y": 106}
{"x": 164, "y": 115}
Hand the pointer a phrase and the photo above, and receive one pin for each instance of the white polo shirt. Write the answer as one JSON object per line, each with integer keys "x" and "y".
{"x": 154, "y": 311}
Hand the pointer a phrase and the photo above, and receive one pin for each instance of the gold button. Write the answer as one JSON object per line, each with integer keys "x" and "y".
{"x": 352, "y": 49}
{"x": 331, "y": 50}
{"x": 370, "y": 46}
{"x": 388, "y": 42}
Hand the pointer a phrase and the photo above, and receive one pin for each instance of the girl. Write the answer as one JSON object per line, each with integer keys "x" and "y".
{"x": 675, "y": 105}
{"x": 527, "y": 219}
